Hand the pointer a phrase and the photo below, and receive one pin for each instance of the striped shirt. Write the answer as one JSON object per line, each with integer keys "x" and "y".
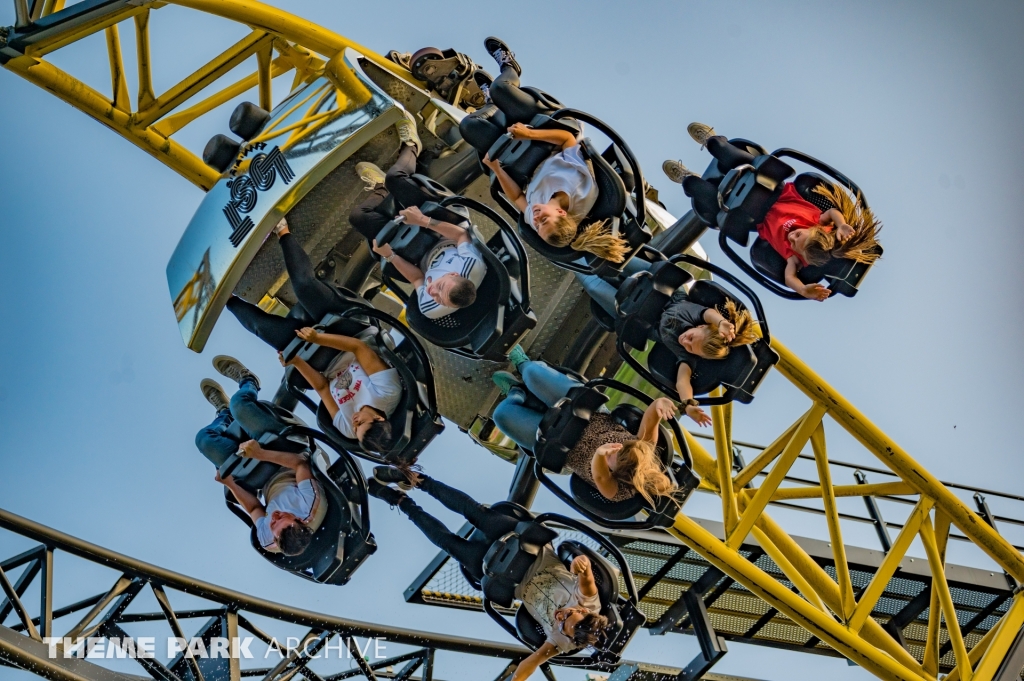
{"x": 463, "y": 259}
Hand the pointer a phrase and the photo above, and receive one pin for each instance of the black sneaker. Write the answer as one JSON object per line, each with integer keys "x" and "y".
{"x": 392, "y": 496}
{"x": 391, "y": 475}
{"x": 502, "y": 54}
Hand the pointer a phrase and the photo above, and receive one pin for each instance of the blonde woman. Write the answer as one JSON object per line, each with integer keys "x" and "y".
{"x": 616, "y": 462}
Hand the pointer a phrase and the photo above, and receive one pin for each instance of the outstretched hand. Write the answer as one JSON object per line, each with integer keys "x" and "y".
{"x": 843, "y": 232}
{"x": 727, "y": 330}
{"x": 815, "y": 292}
{"x": 698, "y": 415}
{"x": 665, "y": 408}
{"x": 520, "y": 131}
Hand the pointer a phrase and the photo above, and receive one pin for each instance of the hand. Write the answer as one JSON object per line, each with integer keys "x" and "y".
{"x": 414, "y": 216}
{"x": 282, "y": 228}
{"x": 580, "y": 565}
{"x": 383, "y": 251}
{"x": 250, "y": 449}
{"x": 698, "y": 415}
{"x": 492, "y": 164}
{"x": 727, "y": 330}
{"x": 608, "y": 449}
{"x": 520, "y": 131}
{"x": 814, "y": 292}
{"x": 223, "y": 481}
{"x": 844, "y": 232}
{"x": 665, "y": 408}
{"x": 280, "y": 358}
{"x": 309, "y": 334}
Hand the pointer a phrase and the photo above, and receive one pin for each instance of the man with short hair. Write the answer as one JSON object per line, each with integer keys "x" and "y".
{"x": 293, "y": 505}
{"x": 455, "y": 267}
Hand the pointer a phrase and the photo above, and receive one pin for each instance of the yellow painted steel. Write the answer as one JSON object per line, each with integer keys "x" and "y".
{"x": 832, "y": 517}
{"x": 792, "y": 574}
{"x": 858, "y": 425}
{"x": 940, "y": 585}
{"x": 118, "y": 85}
{"x": 873, "y": 489}
{"x": 721, "y": 418}
{"x": 766, "y": 456}
{"x": 1010, "y": 625}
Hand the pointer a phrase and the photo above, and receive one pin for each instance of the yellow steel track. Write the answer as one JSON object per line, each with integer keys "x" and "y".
{"x": 825, "y": 607}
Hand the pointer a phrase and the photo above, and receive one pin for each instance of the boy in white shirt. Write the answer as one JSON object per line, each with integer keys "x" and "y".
{"x": 454, "y": 268}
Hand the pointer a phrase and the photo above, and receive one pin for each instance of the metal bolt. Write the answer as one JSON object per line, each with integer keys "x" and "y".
{"x": 320, "y": 274}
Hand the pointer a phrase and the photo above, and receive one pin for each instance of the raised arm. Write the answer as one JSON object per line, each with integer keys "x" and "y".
{"x": 512, "y": 190}
{"x": 659, "y": 410}
{"x": 246, "y": 498}
{"x": 715, "y": 320}
{"x": 528, "y": 666}
{"x": 562, "y": 138}
{"x": 581, "y": 566}
{"x": 297, "y": 462}
{"x": 834, "y": 217}
{"x": 414, "y": 216}
{"x": 685, "y": 391}
{"x": 810, "y": 291}
{"x": 365, "y": 355}
{"x": 604, "y": 481}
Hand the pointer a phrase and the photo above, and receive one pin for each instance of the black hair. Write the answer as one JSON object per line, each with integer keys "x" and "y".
{"x": 294, "y": 539}
{"x": 589, "y": 629}
{"x": 377, "y": 437}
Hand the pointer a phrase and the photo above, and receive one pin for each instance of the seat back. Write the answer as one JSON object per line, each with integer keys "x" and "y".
{"x": 508, "y": 559}
{"x": 563, "y": 425}
{"x": 412, "y": 242}
{"x": 508, "y": 508}
{"x": 747, "y": 193}
{"x": 253, "y": 474}
{"x": 642, "y": 298}
{"x": 521, "y": 158}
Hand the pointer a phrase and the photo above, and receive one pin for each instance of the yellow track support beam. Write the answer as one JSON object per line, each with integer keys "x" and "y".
{"x": 832, "y": 516}
{"x": 900, "y": 462}
{"x": 873, "y": 489}
{"x": 767, "y": 455}
{"x": 721, "y": 420}
{"x": 119, "y": 86}
{"x": 146, "y": 95}
{"x": 936, "y": 562}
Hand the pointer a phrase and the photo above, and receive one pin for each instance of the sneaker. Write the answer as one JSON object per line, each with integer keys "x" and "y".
{"x": 392, "y": 496}
{"x": 214, "y": 394}
{"x": 370, "y": 174}
{"x": 517, "y": 356}
{"x": 403, "y": 59}
{"x": 502, "y": 54}
{"x": 676, "y": 171}
{"x": 700, "y": 133}
{"x": 505, "y": 380}
{"x": 233, "y": 369}
{"x": 281, "y": 228}
{"x": 407, "y": 132}
{"x": 392, "y": 475}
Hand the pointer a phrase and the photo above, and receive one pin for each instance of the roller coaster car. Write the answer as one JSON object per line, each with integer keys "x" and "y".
{"x": 747, "y": 193}
{"x": 619, "y": 181}
{"x": 343, "y": 540}
{"x": 509, "y": 558}
{"x": 641, "y": 301}
{"x": 563, "y": 426}
{"x": 415, "y": 421}
{"x": 501, "y": 314}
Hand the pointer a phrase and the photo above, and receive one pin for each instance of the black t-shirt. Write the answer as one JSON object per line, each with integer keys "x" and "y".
{"x": 680, "y": 315}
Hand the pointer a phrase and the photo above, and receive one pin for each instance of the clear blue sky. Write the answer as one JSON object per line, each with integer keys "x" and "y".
{"x": 919, "y": 102}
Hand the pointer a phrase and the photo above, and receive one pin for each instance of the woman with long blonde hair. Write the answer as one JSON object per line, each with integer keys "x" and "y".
{"x": 616, "y": 462}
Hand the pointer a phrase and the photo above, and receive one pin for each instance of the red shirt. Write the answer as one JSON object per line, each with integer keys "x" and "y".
{"x": 791, "y": 211}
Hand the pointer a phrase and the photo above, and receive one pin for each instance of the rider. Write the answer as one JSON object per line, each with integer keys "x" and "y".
{"x": 693, "y": 331}
{"x": 293, "y": 505}
{"x": 795, "y": 228}
{"x": 455, "y": 267}
{"x": 564, "y": 602}
{"x": 616, "y": 462}
{"x": 562, "y": 190}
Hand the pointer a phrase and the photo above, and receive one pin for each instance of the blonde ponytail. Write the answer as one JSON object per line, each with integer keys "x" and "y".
{"x": 863, "y": 246}
{"x": 716, "y": 347}
{"x": 598, "y": 239}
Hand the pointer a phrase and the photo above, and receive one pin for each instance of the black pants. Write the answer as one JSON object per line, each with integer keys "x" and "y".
{"x": 509, "y": 105}
{"x": 370, "y": 216}
{"x": 316, "y": 299}
{"x": 469, "y": 553}
{"x": 705, "y": 194}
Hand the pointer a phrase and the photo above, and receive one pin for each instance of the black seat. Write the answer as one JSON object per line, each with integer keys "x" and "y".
{"x": 501, "y": 314}
{"x": 415, "y": 422}
{"x": 616, "y": 173}
{"x": 640, "y": 308}
{"x": 343, "y": 541}
{"x": 561, "y": 429}
{"x": 509, "y": 558}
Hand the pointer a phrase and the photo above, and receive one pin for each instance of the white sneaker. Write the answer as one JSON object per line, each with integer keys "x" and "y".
{"x": 676, "y": 171}
{"x": 700, "y": 133}
{"x": 370, "y": 174}
{"x": 407, "y": 132}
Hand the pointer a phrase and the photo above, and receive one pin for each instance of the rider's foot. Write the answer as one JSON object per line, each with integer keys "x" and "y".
{"x": 517, "y": 356}
{"x": 700, "y": 133}
{"x": 390, "y": 495}
{"x": 392, "y": 475}
{"x": 370, "y": 174}
{"x": 407, "y": 132}
{"x": 214, "y": 394}
{"x": 676, "y": 171}
{"x": 505, "y": 381}
{"x": 502, "y": 54}
{"x": 231, "y": 368}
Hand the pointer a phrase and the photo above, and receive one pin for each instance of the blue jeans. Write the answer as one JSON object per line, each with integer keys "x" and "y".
{"x": 602, "y": 291}
{"x": 255, "y": 417}
{"x": 520, "y": 422}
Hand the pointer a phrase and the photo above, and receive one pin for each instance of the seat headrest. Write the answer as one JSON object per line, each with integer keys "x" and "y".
{"x": 611, "y": 198}
{"x": 563, "y": 424}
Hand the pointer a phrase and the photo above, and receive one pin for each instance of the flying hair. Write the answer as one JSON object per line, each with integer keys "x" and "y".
{"x": 597, "y": 238}
{"x": 637, "y": 465}
{"x": 715, "y": 346}
{"x": 862, "y": 247}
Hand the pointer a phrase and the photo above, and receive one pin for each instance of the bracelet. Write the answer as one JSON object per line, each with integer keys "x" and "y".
{"x": 689, "y": 403}
{"x": 387, "y": 258}
{"x": 432, "y": 222}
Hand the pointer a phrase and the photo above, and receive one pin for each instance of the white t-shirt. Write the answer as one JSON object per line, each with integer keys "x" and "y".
{"x": 304, "y": 500}
{"x": 548, "y": 586}
{"x": 463, "y": 259}
{"x": 352, "y": 389}
{"x": 567, "y": 171}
